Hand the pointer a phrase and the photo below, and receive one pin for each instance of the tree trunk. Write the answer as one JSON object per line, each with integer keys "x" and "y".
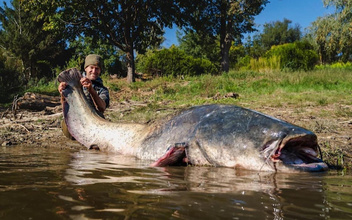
{"x": 130, "y": 66}
{"x": 225, "y": 38}
{"x": 129, "y": 46}
{"x": 225, "y": 50}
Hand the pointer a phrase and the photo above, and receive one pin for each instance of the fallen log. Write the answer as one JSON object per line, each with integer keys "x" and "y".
{"x": 36, "y": 102}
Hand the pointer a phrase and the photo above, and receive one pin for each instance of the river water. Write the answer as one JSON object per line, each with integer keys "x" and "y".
{"x": 39, "y": 183}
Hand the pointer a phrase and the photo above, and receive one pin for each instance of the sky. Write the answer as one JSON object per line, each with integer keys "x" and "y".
{"x": 302, "y": 12}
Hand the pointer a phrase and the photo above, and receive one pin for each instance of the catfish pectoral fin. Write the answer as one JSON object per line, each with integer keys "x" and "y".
{"x": 174, "y": 156}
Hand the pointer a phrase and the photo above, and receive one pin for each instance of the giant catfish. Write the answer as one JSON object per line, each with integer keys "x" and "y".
{"x": 207, "y": 135}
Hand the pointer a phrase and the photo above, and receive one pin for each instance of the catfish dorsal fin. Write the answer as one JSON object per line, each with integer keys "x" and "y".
{"x": 70, "y": 76}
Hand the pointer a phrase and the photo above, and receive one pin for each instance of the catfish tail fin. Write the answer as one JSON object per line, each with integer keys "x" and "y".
{"x": 70, "y": 76}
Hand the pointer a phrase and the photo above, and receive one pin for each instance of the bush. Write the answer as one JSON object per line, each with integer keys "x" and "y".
{"x": 243, "y": 63}
{"x": 338, "y": 66}
{"x": 236, "y": 55}
{"x": 10, "y": 84}
{"x": 173, "y": 62}
{"x": 294, "y": 56}
{"x": 10, "y": 77}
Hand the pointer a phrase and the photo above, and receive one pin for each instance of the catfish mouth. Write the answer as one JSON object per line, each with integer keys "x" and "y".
{"x": 300, "y": 153}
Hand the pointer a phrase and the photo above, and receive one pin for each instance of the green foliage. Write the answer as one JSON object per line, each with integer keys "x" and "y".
{"x": 254, "y": 47}
{"x": 275, "y": 88}
{"x": 335, "y": 66}
{"x": 131, "y": 26}
{"x": 44, "y": 86}
{"x": 293, "y": 56}
{"x": 263, "y": 64}
{"x": 10, "y": 79}
{"x": 331, "y": 34}
{"x": 237, "y": 54}
{"x": 273, "y": 34}
{"x": 324, "y": 35}
{"x": 277, "y": 33}
{"x": 200, "y": 46}
{"x": 174, "y": 62}
{"x": 226, "y": 19}
{"x": 22, "y": 33}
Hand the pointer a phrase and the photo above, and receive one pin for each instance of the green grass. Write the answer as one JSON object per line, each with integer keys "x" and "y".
{"x": 320, "y": 87}
{"x": 43, "y": 87}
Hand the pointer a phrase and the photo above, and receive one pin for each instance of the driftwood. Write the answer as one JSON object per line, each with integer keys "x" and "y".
{"x": 36, "y": 102}
{"x": 218, "y": 96}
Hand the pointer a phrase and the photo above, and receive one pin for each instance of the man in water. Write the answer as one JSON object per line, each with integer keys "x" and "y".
{"x": 96, "y": 93}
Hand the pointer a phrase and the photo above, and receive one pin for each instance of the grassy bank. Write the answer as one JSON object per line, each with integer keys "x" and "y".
{"x": 274, "y": 89}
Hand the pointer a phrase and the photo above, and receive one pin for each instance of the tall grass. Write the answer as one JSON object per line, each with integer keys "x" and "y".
{"x": 318, "y": 87}
{"x": 272, "y": 88}
{"x": 266, "y": 64}
{"x": 44, "y": 87}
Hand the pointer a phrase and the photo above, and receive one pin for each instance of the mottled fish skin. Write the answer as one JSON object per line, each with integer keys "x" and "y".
{"x": 215, "y": 135}
{"x": 227, "y": 135}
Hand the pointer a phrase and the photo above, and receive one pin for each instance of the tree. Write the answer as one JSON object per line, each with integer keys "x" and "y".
{"x": 324, "y": 35}
{"x": 22, "y": 33}
{"x": 10, "y": 77}
{"x": 254, "y": 48}
{"x": 129, "y": 25}
{"x": 343, "y": 16}
{"x": 274, "y": 33}
{"x": 199, "y": 46}
{"x": 228, "y": 19}
{"x": 332, "y": 34}
{"x": 277, "y": 33}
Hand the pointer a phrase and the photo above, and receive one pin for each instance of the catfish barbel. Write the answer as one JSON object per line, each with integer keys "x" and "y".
{"x": 207, "y": 135}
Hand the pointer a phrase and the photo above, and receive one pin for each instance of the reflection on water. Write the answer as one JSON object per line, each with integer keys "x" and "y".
{"x": 37, "y": 183}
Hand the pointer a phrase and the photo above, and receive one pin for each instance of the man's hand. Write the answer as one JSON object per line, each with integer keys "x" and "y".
{"x": 98, "y": 102}
{"x": 87, "y": 84}
{"x": 61, "y": 87}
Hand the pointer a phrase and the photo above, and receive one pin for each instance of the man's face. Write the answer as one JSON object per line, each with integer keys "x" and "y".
{"x": 93, "y": 72}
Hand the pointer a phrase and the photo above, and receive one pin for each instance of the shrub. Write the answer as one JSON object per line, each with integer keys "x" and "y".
{"x": 294, "y": 56}
{"x": 11, "y": 79}
{"x": 10, "y": 84}
{"x": 236, "y": 55}
{"x": 338, "y": 65}
{"x": 173, "y": 62}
